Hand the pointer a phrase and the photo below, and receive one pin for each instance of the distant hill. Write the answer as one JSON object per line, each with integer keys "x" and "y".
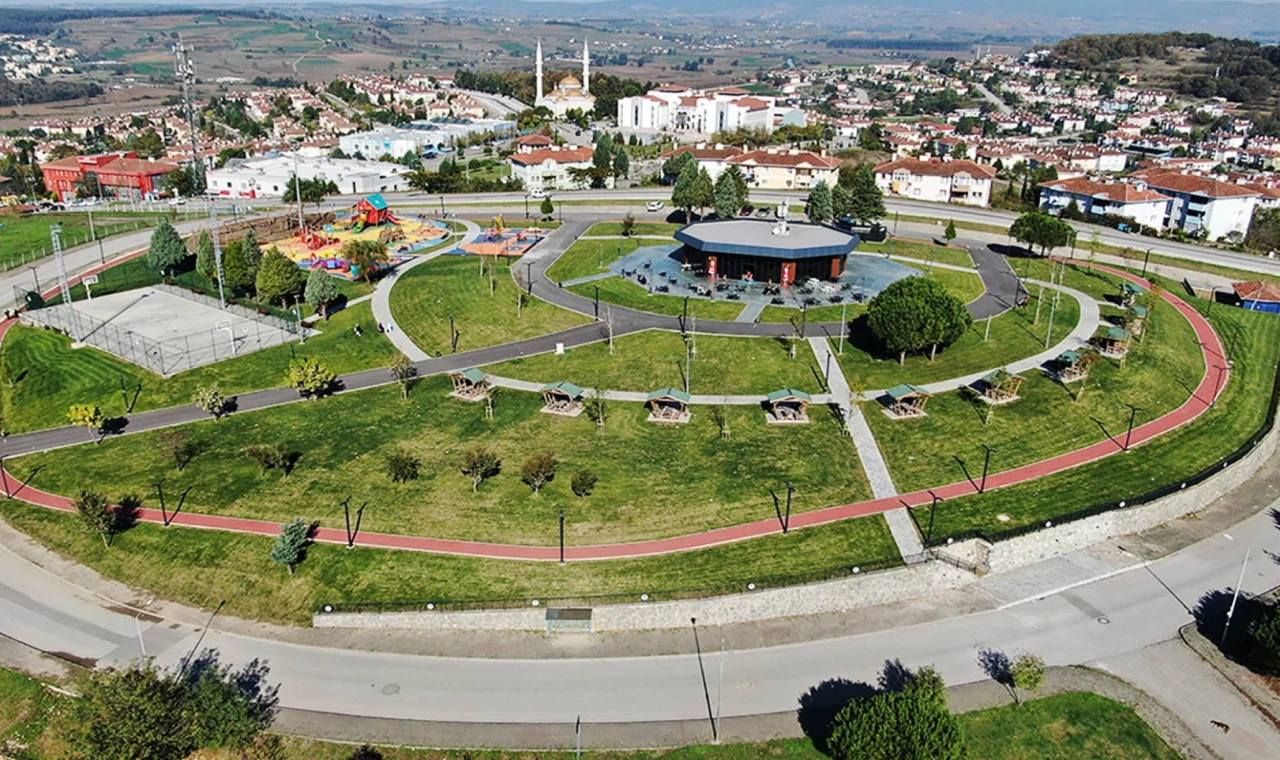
{"x": 1197, "y": 65}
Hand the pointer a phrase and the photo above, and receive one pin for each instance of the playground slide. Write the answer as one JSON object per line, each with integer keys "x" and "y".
{"x": 358, "y": 226}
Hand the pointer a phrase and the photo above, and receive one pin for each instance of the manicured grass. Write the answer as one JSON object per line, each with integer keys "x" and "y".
{"x": 921, "y": 251}
{"x": 1163, "y": 462}
{"x": 1072, "y": 726}
{"x": 625, "y": 293}
{"x": 50, "y": 375}
{"x": 585, "y": 256}
{"x": 21, "y": 237}
{"x": 656, "y": 359}
{"x": 967, "y": 286}
{"x": 206, "y": 567}
{"x": 424, "y": 299}
{"x": 1046, "y": 420}
{"x": 815, "y": 315}
{"x": 654, "y": 480}
{"x": 1014, "y": 335}
{"x": 656, "y": 229}
{"x": 29, "y": 719}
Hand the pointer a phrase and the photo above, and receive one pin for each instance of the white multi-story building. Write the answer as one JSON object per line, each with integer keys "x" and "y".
{"x": 267, "y": 176}
{"x": 424, "y": 136}
{"x": 548, "y": 168}
{"x": 781, "y": 169}
{"x": 1135, "y": 201}
{"x": 673, "y": 108}
{"x": 1204, "y": 205}
{"x": 937, "y": 180}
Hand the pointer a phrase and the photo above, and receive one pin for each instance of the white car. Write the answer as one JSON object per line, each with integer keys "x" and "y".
{"x": 177, "y": 201}
{"x": 538, "y": 193}
{"x": 655, "y": 206}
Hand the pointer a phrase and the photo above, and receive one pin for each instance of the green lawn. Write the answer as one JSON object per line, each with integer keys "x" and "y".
{"x": 654, "y": 480}
{"x": 625, "y": 293}
{"x": 50, "y": 375}
{"x": 921, "y": 251}
{"x": 656, "y": 359}
{"x": 21, "y": 237}
{"x": 1163, "y": 462}
{"x": 655, "y": 229}
{"x": 1014, "y": 335}
{"x": 588, "y": 257}
{"x": 30, "y": 719}
{"x": 1046, "y": 420}
{"x": 424, "y": 299}
{"x": 206, "y": 567}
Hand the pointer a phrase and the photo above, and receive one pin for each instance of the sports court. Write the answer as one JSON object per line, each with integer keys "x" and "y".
{"x": 165, "y": 329}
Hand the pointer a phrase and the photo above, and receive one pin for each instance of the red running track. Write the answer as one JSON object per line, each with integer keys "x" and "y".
{"x": 1210, "y": 386}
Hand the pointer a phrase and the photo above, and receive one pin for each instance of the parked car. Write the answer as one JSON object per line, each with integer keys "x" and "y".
{"x": 654, "y": 206}
{"x": 748, "y": 210}
{"x": 763, "y": 211}
{"x": 177, "y": 201}
{"x": 537, "y": 192}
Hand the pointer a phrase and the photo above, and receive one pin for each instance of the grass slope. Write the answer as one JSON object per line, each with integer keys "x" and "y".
{"x": 584, "y": 258}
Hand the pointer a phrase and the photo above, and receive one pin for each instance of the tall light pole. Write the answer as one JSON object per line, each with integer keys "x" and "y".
{"x": 297, "y": 189}
{"x": 1234, "y": 596}
{"x": 55, "y": 232}
{"x": 217, "y": 251}
{"x": 711, "y": 716}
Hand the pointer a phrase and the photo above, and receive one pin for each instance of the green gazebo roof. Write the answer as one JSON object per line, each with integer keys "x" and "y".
{"x": 473, "y": 374}
{"x": 1070, "y": 357}
{"x": 1114, "y": 333}
{"x": 674, "y": 393}
{"x": 1132, "y": 288}
{"x": 997, "y": 376}
{"x": 564, "y": 386}
{"x": 1138, "y": 311}
{"x": 899, "y": 392}
{"x": 786, "y": 393}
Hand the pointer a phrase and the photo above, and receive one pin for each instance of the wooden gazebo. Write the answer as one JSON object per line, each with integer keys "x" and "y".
{"x": 563, "y": 398}
{"x": 668, "y": 405}
{"x": 470, "y": 384}
{"x": 788, "y": 406}
{"x": 907, "y": 400}
{"x": 1112, "y": 341}
{"x": 1129, "y": 293}
{"x": 1135, "y": 319}
{"x": 1001, "y": 386}
{"x": 1071, "y": 366}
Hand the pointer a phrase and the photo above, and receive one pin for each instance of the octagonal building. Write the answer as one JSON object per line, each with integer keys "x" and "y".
{"x": 765, "y": 251}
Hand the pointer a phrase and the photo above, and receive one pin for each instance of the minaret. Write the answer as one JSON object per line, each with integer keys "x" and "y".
{"x": 586, "y": 68}
{"x": 538, "y": 71}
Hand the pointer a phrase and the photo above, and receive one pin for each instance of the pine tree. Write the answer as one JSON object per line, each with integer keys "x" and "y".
{"x": 818, "y": 207}
{"x": 167, "y": 250}
{"x": 235, "y": 270}
{"x": 704, "y": 192}
{"x": 279, "y": 278}
{"x": 206, "y": 261}
{"x": 866, "y": 199}
{"x": 734, "y": 173}
{"x": 841, "y": 202}
{"x": 291, "y": 546}
{"x": 252, "y": 252}
{"x": 621, "y": 163}
{"x": 726, "y": 197}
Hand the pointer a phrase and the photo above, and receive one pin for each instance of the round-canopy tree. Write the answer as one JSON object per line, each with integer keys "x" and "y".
{"x": 917, "y": 313}
{"x": 911, "y": 724}
{"x": 1036, "y": 228}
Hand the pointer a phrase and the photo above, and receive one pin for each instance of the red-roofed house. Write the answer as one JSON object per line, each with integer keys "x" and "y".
{"x": 1204, "y": 205}
{"x": 529, "y": 143}
{"x": 548, "y": 168}
{"x": 775, "y": 169}
{"x": 713, "y": 158}
{"x": 1134, "y": 201}
{"x": 122, "y": 174}
{"x": 1258, "y": 296}
{"x": 937, "y": 180}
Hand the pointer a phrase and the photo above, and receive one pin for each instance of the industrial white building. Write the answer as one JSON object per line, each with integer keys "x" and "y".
{"x": 419, "y": 137}
{"x": 267, "y": 176}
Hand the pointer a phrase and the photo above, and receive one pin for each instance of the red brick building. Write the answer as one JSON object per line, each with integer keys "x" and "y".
{"x": 122, "y": 174}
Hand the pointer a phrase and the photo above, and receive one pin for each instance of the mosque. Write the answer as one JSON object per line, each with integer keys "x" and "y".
{"x": 569, "y": 93}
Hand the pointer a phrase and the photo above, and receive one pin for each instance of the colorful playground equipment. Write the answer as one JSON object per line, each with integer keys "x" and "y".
{"x": 497, "y": 240}
{"x": 319, "y": 246}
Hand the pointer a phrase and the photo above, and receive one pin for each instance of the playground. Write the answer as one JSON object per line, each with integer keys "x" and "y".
{"x": 499, "y": 240}
{"x": 320, "y": 245}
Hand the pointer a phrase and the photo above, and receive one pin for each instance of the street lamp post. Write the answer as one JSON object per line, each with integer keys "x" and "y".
{"x": 986, "y": 463}
{"x": 562, "y": 536}
{"x": 711, "y": 716}
{"x": 1133, "y": 415}
{"x": 1145, "y": 259}
{"x": 4, "y": 474}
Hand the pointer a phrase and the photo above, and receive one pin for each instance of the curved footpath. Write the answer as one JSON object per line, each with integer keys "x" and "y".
{"x": 1196, "y": 404}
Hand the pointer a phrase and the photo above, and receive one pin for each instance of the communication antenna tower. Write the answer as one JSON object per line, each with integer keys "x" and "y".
{"x": 185, "y": 68}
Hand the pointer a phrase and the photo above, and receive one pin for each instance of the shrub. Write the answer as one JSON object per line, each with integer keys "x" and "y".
{"x": 402, "y": 466}
{"x": 538, "y": 470}
{"x": 583, "y": 483}
{"x": 271, "y": 456}
{"x": 480, "y": 464}
{"x": 310, "y": 377}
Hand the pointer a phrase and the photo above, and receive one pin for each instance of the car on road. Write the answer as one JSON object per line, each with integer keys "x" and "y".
{"x": 654, "y": 206}
{"x": 177, "y": 201}
{"x": 763, "y": 211}
{"x": 538, "y": 193}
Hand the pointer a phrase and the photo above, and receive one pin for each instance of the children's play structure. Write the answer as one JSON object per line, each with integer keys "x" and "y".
{"x": 497, "y": 240}
{"x": 319, "y": 246}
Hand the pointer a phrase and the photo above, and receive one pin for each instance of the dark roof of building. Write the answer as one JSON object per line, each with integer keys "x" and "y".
{"x": 756, "y": 237}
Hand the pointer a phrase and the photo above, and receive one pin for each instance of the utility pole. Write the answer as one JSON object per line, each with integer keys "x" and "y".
{"x": 185, "y": 69}
{"x": 55, "y": 232}
{"x": 217, "y": 251}
{"x": 297, "y": 189}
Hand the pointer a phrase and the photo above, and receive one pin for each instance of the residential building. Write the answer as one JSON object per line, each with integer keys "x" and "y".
{"x": 781, "y": 169}
{"x": 121, "y": 174}
{"x": 937, "y": 180}
{"x": 1135, "y": 201}
{"x": 548, "y": 168}
{"x": 1203, "y": 205}
{"x": 713, "y": 158}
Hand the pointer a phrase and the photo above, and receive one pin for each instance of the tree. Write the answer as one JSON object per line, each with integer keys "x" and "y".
{"x": 739, "y": 180}
{"x": 1027, "y": 672}
{"x": 367, "y": 256}
{"x": 313, "y": 190}
{"x": 583, "y": 483}
{"x": 279, "y": 279}
{"x": 726, "y": 198}
{"x": 251, "y": 251}
{"x": 1266, "y": 638}
{"x": 917, "y": 313}
{"x": 547, "y": 208}
{"x": 538, "y": 470}
{"x": 871, "y": 138}
{"x": 271, "y": 456}
{"x": 960, "y": 152}
{"x": 950, "y": 232}
{"x": 819, "y": 206}
{"x": 602, "y": 158}
{"x": 621, "y": 163}
{"x": 140, "y": 712}
{"x": 96, "y": 514}
{"x": 206, "y": 260}
{"x": 176, "y": 442}
{"x": 841, "y": 202}
{"x": 209, "y": 399}
{"x": 88, "y": 416}
{"x": 310, "y": 377}
{"x": 674, "y": 166}
{"x": 480, "y": 464}
{"x": 320, "y": 291}
{"x": 291, "y": 545}
{"x": 1036, "y": 228}
{"x": 628, "y": 224}
{"x": 683, "y": 194}
{"x": 403, "y": 466}
{"x": 703, "y": 193}
{"x": 403, "y": 372}
{"x": 866, "y": 200}
{"x": 908, "y": 724}
{"x": 1072, "y": 212}
{"x": 236, "y": 273}
{"x": 167, "y": 250}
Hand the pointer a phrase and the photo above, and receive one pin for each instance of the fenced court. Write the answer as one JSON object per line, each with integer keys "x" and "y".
{"x": 165, "y": 329}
